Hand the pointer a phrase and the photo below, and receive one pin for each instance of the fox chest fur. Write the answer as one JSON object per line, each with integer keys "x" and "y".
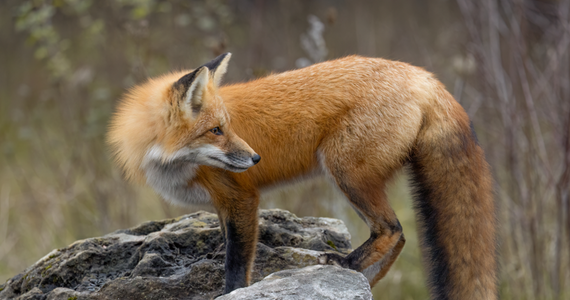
{"x": 173, "y": 178}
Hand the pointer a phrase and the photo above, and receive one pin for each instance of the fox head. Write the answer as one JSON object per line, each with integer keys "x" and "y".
{"x": 177, "y": 122}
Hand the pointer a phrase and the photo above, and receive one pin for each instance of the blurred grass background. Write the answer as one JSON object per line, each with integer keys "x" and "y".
{"x": 65, "y": 63}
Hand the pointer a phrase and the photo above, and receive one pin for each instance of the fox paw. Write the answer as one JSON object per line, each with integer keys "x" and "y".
{"x": 331, "y": 259}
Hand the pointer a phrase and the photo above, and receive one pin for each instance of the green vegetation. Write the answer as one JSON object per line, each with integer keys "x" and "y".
{"x": 330, "y": 243}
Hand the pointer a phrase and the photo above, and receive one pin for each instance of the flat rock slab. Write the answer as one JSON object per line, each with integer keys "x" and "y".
{"x": 314, "y": 282}
{"x": 180, "y": 258}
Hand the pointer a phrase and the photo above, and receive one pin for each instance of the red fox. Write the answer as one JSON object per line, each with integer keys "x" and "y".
{"x": 356, "y": 120}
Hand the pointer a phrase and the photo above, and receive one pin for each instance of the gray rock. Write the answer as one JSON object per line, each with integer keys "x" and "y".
{"x": 180, "y": 258}
{"x": 314, "y": 282}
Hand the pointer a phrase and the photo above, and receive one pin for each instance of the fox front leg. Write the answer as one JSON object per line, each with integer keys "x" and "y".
{"x": 240, "y": 224}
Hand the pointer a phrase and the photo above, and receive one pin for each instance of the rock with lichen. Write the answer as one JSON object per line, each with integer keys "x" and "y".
{"x": 180, "y": 258}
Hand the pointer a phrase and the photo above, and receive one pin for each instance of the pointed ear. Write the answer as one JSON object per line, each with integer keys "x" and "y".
{"x": 222, "y": 68}
{"x": 192, "y": 86}
{"x": 219, "y": 66}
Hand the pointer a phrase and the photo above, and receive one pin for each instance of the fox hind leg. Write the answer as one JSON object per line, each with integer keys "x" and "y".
{"x": 366, "y": 194}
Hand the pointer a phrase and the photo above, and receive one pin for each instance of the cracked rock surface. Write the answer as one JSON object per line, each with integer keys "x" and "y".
{"x": 314, "y": 282}
{"x": 180, "y": 258}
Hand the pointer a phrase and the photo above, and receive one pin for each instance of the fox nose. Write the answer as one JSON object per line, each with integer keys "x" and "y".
{"x": 256, "y": 158}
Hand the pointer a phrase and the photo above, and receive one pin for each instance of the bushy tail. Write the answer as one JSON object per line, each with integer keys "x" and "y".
{"x": 455, "y": 208}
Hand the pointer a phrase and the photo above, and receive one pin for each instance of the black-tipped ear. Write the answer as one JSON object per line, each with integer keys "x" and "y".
{"x": 221, "y": 69}
{"x": 192, "y": 86}
{"x": 215, "y": 63}
{"x": 185, "y": 81}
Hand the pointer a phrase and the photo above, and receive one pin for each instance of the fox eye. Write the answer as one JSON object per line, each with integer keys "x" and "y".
{"x": 216, "y": 131}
